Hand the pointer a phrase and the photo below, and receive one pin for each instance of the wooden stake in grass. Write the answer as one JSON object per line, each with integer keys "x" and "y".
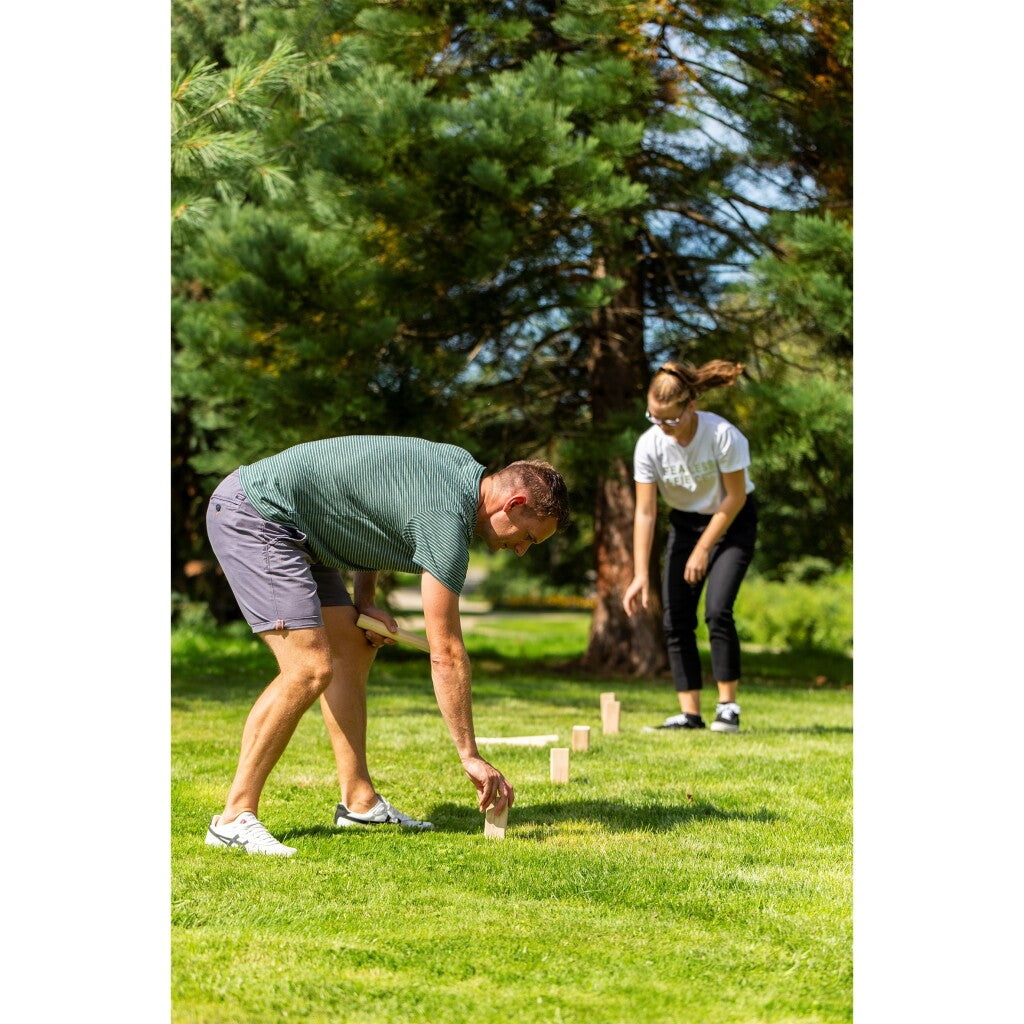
{"x": 402, "y": 635}
{"x": 495, "y": 824}
{"x": 581, "y": 737}
{"x": 519, "y": 741}
{"x": 559, "y": 764}
{"x": 610, "y": 716}
{"x": 606, "y": 698}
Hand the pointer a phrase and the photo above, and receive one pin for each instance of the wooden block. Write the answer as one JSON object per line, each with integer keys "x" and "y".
{"x": 610, "y": 716}
{"x": 495, "y": 824}
{"x": 606, "y": 698}
{"x": 581, "y": 737}
{"x": 519, "y": 741}
{"x": 559, "y": 764}
{"x": 402, "y": 635}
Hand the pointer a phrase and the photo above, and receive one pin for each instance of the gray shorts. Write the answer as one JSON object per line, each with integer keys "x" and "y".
{"x": 277, "y": 582}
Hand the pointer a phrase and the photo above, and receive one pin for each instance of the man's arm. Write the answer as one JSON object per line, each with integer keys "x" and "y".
{"x": 452, "y": 676}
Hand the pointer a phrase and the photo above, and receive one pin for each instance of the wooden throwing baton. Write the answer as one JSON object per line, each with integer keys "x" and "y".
{"x": 402, "y": 635}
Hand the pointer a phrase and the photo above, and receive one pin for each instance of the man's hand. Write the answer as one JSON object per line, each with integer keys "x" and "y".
{"x": 375, "y": 639}
{"x": 491, "y": 785}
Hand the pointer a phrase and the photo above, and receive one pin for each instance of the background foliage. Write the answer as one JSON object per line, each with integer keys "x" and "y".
{"x": 486, "y": 223}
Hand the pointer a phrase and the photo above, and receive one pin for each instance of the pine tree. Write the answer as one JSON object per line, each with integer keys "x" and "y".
{"x": 219, "y": 155}
{"x": 504, "y": 215}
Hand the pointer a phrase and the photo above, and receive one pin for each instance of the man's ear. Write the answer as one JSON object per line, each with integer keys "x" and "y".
{"x": 514, "y": 502}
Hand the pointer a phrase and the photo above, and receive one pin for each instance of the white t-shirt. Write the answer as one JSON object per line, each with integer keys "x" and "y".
{"x": 689, "y": 477}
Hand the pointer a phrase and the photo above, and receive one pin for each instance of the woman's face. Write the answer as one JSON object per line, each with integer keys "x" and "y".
{"x": 672, "y": 418}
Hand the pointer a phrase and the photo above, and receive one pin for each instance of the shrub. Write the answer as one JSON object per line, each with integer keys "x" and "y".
{"x": 798, "y": 615}
{"x": 193, "y": 616}
{"x": 511, "y": 582}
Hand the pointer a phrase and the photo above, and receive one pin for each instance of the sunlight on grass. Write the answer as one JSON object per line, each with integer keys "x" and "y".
{"x": 616, "y": 897}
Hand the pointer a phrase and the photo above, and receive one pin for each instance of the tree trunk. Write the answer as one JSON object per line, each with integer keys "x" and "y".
{"x": 619, "y": 374}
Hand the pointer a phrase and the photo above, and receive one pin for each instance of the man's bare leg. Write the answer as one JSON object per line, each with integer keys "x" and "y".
{"x": 343, "y": 704}
{"x": 304, "y": 660}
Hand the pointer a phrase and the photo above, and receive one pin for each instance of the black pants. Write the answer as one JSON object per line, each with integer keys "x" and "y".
{"x": 727, "y": 565}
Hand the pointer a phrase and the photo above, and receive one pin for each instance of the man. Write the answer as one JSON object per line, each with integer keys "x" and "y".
{"x": 281, "y": 529}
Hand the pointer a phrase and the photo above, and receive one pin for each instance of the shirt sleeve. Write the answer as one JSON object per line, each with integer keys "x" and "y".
{"x": 732, "y": 452}
{"x": 440, "y": 547}
{"x": 644, "y": 470}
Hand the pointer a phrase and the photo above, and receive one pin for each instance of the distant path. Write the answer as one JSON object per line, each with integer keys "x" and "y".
{"x": 408, "y": 604}
{"x": 408, "y": 607}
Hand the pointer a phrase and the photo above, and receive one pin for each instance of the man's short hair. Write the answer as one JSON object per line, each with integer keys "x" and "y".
{"x": 548, "y": 497}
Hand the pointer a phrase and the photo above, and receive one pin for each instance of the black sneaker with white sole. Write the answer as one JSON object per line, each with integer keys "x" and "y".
{"x": 683, "y": 721}
{"x": 727, "y": 718}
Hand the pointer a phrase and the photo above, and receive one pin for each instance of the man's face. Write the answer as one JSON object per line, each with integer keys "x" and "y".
{"x": 515, "y": 527}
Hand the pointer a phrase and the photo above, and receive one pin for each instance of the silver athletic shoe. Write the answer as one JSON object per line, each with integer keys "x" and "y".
{"x": 247, "y": 833}
{"x": 382, "y": 813}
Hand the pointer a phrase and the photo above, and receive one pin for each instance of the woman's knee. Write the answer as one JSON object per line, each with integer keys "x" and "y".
{"x": 676, "y": 620}
{"x": 719, "y": 619}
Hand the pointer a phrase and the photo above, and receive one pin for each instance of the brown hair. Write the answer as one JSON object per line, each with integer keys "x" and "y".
{"x": 547, "y": 494}
{"x": 679, "y": 382}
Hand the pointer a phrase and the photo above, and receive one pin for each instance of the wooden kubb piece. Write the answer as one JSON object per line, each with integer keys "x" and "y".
{"x": 610, "y": 709}
{"x": 495, "y": 824}
{"x": 559, "y": 764}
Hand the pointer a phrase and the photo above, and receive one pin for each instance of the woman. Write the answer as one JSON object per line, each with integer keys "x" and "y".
{"x": 698, "y": 461}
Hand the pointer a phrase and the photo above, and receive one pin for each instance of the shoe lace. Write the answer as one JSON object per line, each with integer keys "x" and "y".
{"x": 393, "y": 816}
{"x": 257, "y": 832}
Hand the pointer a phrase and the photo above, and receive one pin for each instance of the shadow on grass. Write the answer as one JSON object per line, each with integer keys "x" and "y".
{"x": 534, "y": 821}
{"x": 809, "y": 730}
{"x": 610, "y": 815}
{"x": 222, "y": 667}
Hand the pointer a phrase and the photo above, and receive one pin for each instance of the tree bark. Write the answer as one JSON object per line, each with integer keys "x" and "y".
{"x": 619, "y": 374}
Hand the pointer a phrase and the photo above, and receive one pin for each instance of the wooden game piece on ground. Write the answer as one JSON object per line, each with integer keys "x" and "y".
{"x": 610, "y": 716}
{"x": 495, "y": 824}
{"x": 581, "y": 737}
{"x": 606, "y": 698}
{"x": 559, "y": 764}
{"x": 519, "y": 741}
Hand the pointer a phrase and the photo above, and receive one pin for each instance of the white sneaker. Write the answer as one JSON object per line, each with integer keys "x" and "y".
{"x": 247, "y": 833}
{"x": 382, "y": 813}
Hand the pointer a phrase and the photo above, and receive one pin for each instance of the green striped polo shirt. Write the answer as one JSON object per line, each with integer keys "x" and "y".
{"x": 368, "y": 503}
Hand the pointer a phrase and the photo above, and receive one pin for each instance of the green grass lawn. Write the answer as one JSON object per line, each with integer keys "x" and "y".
{"x": 677, "y": 877}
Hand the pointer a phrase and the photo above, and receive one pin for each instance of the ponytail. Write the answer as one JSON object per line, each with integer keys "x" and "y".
{"x": 680, "y": 382}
